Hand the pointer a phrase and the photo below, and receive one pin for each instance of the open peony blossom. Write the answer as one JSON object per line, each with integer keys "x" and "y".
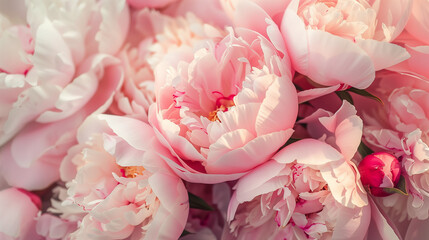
{"x": 400, "y": 126}
{"x": 326, "y": 37}
{"x": 122, "y": 187}
{"x": 71, "y": 74}
{"x": 243, "y": 109}
{"x": 302, "y": 194}
{"x": 378, "y": 171}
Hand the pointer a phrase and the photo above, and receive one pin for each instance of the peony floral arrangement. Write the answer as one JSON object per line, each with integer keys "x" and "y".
{"x": 214, "y": 119}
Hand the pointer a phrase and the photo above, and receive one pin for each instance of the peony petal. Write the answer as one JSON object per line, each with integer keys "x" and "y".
{"x": 256, "y": 151}
{"x": 18, "y": 213}
{"x": 383, "y": 54}
{"x": 334, "y": 60}
{"x": 321, "y": 153}
{"x": 280, "y": 102}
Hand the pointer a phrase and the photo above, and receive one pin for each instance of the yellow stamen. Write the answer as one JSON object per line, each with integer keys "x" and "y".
{"x": 133, "y": 171}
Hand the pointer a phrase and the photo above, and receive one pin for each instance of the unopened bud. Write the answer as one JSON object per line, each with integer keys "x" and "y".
{"x": 378, "y": 171}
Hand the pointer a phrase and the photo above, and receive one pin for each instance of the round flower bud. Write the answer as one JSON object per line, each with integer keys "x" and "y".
{"x": 378, "y": 171}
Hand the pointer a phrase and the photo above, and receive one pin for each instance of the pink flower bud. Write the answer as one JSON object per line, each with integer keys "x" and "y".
{"x": 378, "y": 171}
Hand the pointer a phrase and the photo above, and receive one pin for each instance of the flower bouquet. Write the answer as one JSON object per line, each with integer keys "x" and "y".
{"x": 214, "y": 119}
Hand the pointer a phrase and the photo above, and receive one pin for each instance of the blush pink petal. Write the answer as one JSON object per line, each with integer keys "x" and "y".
{"x": 277, "y": 105}
{"x": 323, "y": 56}
{"x": 329, "y": 55}
{"x": 198, "y": 177}
{"x": 254, "y": 151}
{"x": 314, "y": 93}
{"x": 395, "y": 14}
{"x": 53, "y": 227}
{"x": 260, "y": 181}
{"x": 81, "y": 91}
{"x": 418, "y": 23}
{"x": 383, "y": 54}
{"x": 249, "y": 15}
{"x": 347, "y": 127}
{"x": 170, "y": 218}
{"x": 17, "y": 220}
{"x": 349, "y": 226}
{"x": 321, "y": 153}
{"x": 40, "y": 169}
{"x": 114, "y": 25}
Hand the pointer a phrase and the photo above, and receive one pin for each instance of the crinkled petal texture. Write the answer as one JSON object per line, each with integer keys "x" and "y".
{"x": 40, "y": 61}
{"x": 222, "y": 124}
{"x": 47, "y": 139}
{"x": 121, "y": 185}
{"x": 400, "y": 126}
{"x": 343, "y": 129}
{"x": 301, "y": 194}
{"x": 19, "y": 210}
{"x": 336, "y": 42}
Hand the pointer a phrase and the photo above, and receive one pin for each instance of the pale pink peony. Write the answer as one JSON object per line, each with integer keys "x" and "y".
{"x": 42, "y": 81}
{"x": 72, "y": 75}
{"x": 122, "y": 187}
{"x": 223, "y": 124}
{"x": 303, "y": 194}
{"x": 401, "y": 127}
{"x": 19, "y": 210}
{"x": 324, "y": 38}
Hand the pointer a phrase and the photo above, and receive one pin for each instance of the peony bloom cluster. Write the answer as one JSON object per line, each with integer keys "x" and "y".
{"x": 214, "y": 119}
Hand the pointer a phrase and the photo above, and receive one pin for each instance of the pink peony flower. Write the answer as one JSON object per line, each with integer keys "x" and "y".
{"x": 378, "y": 171}
{"x": 325, "y": 37}
{"x": 303, "y": 194}
{"x": 400, "y": 126}
{"x": 19, "y": 210}
{"x": 71, "y": 75}
{"x": 123, "y": 188}
{"x": 245, "y": 109}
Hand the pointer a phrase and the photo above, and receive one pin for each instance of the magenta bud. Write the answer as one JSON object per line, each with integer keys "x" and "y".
{"x": 378, "y": 171}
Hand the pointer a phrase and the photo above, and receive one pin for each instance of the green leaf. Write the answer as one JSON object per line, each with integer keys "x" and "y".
{"x": 364, "y": 93}
{"x": 198, "y": 203}
{"x": 401, "y": 188}
{"x": 364, "y": 150}
{"x": 343, "y": 95}
{"x": 184, "y": 233}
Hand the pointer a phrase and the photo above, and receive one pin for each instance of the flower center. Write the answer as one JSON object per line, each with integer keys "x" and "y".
{"x": 222, "y": 104}
{"x": 132, "y": 171}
